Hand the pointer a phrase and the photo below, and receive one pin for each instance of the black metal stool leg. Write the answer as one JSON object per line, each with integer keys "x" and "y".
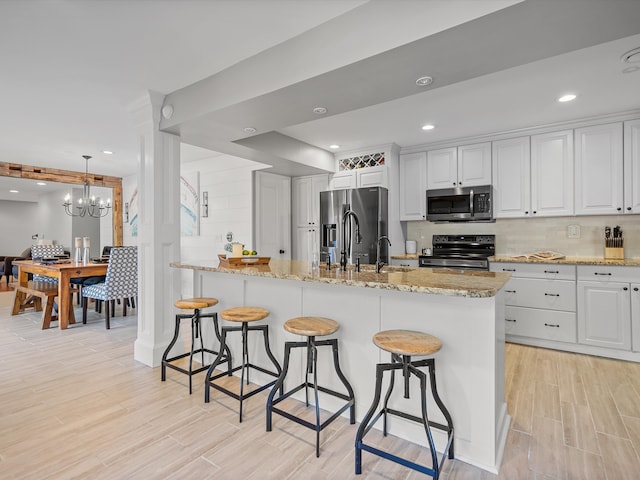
{"x": 387, "y": 396}
{"x": 194, "y": 334}
{"x": 365, "y": 424}
{"x": 170, "y": 346}
{"x": 425, "y": 422}
{"x": 207, "y": 381}
{"x": 265, "y": 331}
{"x": 345, "y": 382}
{"x": 443, "y": 409}
{"x": 279, "y": 384}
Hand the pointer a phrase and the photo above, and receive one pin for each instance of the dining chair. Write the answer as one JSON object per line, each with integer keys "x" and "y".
{"x": 38, "y": 252}
{"x": 121, "y": 282}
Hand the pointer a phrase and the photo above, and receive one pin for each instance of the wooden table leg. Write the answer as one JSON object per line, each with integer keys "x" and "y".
{"x": 64, "y": 295}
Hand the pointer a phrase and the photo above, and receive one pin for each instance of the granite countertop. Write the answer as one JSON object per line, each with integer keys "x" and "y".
{"x": 458, "y": 283}
{"x": 627, "y": 262}
{"x": 405, "y": 256}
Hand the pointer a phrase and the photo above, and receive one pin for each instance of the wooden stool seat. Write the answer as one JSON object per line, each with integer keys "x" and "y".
{"x": 407, "y": 342}
{"x": 191, "y": 303}
{"x": 311, "y": 326}
{"x": 244, "y": 314}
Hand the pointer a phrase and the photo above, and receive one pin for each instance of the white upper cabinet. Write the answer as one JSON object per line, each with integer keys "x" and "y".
{"x": 464, "y": 166}
{"x": 474, "y": 165}
{"x": 599, "y": 164}
{"x": 632, "y": 166}
{"x": 413, "y": 185}
{"x": 442, "y": 168}
{"x": 552, "y": 174}
{"x": 345, "y": 179}
{"x": 512, "y": 177}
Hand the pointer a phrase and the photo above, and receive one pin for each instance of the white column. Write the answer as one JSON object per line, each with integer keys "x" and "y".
{"x": 158, "y": 230}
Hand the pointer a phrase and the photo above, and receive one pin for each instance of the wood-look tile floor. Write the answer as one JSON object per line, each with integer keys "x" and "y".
{"x": 75, "y": 404}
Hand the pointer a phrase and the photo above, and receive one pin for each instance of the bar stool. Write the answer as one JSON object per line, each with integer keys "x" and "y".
{"x": 243, "y": 315}
{"x": 196, "y": 332}
{"x": 402, "y": 344}
{"x": 311, "y": 327}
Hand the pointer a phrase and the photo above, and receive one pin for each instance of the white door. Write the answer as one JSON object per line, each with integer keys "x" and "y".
{"x": 632, "y": 166}
{"x": 512, "y": 178}
{"x": 552, "y": 174}
{"x": 604, "y": 314}
{"x": 413, "y": 185}
{"x": 474, "y": 165}
{"x": 272, "y": 219}
{"x": 599, "y": 169}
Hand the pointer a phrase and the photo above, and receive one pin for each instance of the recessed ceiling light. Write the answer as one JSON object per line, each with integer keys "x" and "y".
{"x": 632, "y": 56}
{"x": 334, "y": 146}
{"x": 42, "y": 184}
{"x": 428, "y": 127}
{"x": 319, "y": 110}
{"x": 567, "y": 98}
{"x": 107, "y": 152}
{"x": 249, "y": 130}
{"x": 13, "y": 191}
{"x": 424, "y": 81}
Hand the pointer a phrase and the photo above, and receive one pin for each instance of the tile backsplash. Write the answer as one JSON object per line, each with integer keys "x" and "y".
{"x": 525, "y": 235}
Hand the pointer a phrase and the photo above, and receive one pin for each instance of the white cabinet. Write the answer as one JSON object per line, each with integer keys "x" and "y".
{"x": 598, "y": 170}
{"x": 552, "y": 174}
{"x": 413, "y": 186}
{"x": 540, "y": 301}
{"x": 632, "y": 166}
{"x": 604, "y": 305}
{"x": 464, "y": 166}
{"x": 344, "y": 179}
{"x": 305, "y": 199}
{"x": 474, "y": 164}
{"x": 511, "y": 161}
{"x": 405, "y": 262}
{"x": 635, "y": 316}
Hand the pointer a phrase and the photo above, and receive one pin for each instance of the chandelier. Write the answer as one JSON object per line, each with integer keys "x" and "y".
{"x": 87, "y": 205}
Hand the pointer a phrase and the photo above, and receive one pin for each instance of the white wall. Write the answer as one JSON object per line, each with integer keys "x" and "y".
{"x": 16, "y": 231}
{"x": 52, "y": 222}
{"x": 228, "y": 181}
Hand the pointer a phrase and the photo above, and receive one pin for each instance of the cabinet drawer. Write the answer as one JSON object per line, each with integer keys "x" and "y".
{"x": 607, "y": 273}
{"x": 399, "y": 262}
{"x": 537, "y": 293}
{"x": 536, "y": 270}
{"x": 545, "y": 324}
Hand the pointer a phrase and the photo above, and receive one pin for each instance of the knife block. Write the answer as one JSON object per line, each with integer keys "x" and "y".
{"x": 611, "y": 253}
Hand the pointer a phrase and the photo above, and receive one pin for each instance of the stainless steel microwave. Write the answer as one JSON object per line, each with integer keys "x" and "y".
{"x": 460, "y": 204}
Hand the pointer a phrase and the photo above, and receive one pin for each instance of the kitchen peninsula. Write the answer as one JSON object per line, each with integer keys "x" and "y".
{"x": 464, "y": 309}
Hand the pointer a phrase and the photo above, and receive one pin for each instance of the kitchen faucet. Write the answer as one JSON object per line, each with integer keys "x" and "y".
{"x": 343, "y": 254}
{"x": 380, "y": 264}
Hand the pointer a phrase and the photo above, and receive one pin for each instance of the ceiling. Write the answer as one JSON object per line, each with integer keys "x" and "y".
{"x": 70, "y": 69}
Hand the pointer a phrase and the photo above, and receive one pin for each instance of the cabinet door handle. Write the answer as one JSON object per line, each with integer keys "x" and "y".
{"x": 551, "y": 294}
{"x": 510, "y": 320}
{"x": 618, "y": 208}
{"x": 508, "y": 269}
{"x": 598, "y": 273}
{"x": 551, "y": 325}
{"x": 635, "y": 289}
{"x": 628, "y": 209}
{"x": 552, "y": 271}
{"x": 510, "y": 291}
{"x": 526, "y": 213}
{"x": 625, "y": 289}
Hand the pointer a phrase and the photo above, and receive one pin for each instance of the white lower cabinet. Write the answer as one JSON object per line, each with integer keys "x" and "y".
{"x": 404, "y": 262}
{"x": 605, "y": 306}
{"x": 605, "y": 314}
{"x": 635, "y": 317}
{"x": 540, "y": 301}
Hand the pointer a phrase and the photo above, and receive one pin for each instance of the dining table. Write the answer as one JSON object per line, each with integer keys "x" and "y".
{"x": 63, "y": 270}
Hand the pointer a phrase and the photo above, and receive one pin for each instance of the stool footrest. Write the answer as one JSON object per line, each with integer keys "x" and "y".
{"x": 244, "y": 395}
{"x": 415, "y": 418}
{"x": 390, "y": 456}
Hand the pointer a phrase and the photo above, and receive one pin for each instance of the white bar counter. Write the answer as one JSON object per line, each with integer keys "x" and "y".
{"x": 463, "y": 309}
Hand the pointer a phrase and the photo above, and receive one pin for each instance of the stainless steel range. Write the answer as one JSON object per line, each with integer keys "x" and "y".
{"x": 463, "y": 252}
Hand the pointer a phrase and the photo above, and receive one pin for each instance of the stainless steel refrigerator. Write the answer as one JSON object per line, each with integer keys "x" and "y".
{"x": 344, "y": 214}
